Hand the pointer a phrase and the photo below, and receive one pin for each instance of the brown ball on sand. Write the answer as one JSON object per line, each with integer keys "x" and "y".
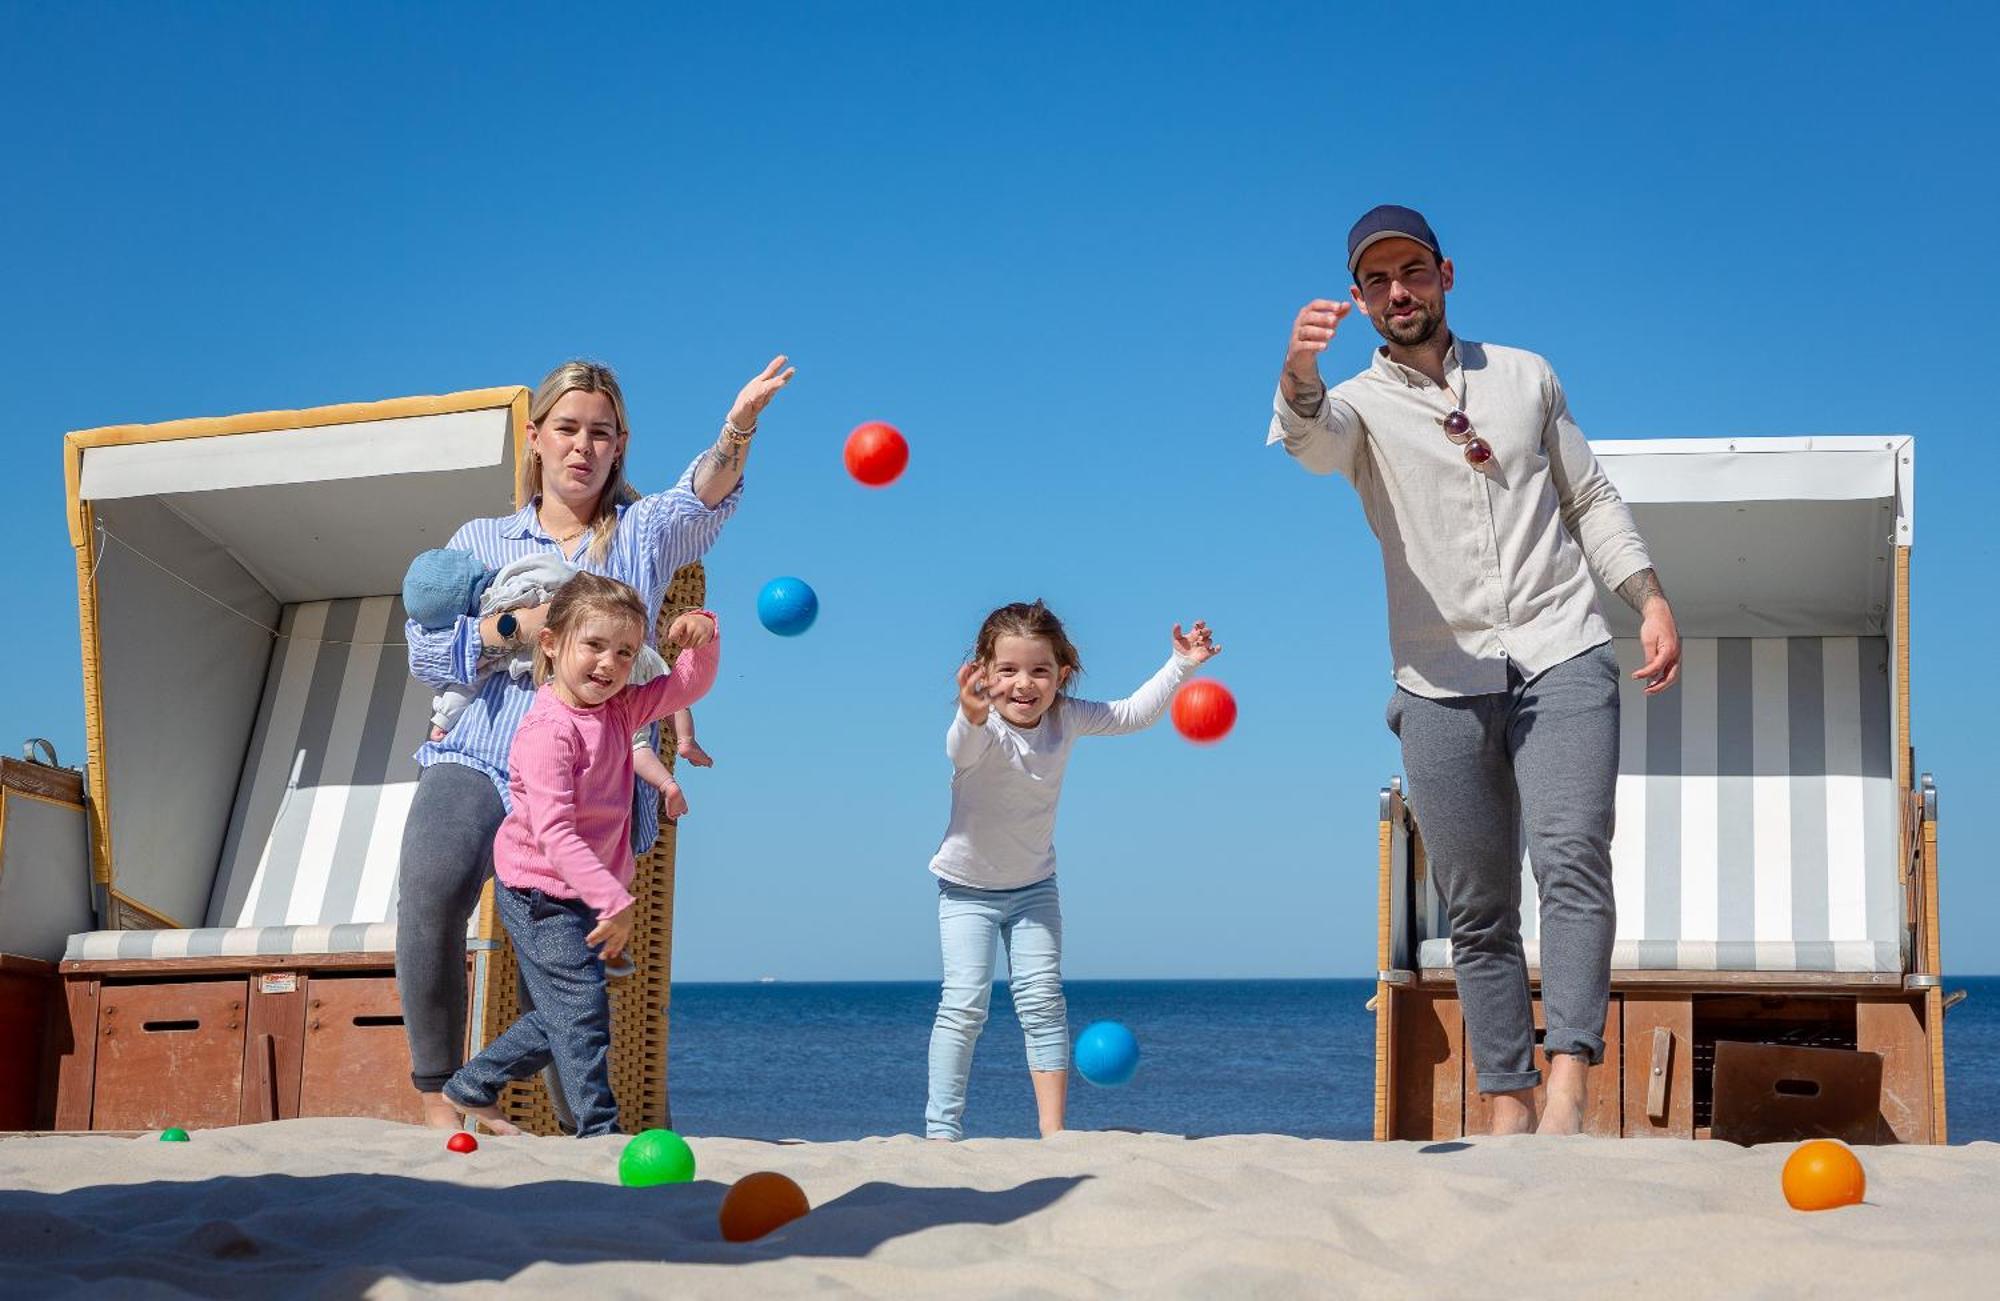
{"x": 758, "y": 1203}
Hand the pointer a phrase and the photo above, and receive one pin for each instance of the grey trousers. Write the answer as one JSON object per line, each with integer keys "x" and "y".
{"x": 447, "y": 856}
{"x": 1539, "y": 758}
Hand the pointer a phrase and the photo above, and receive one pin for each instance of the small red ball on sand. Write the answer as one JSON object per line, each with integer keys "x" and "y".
{"x": 876, "y": 453}
{"x": 1204, "y": 711}
{"x": 462, "y": 1142}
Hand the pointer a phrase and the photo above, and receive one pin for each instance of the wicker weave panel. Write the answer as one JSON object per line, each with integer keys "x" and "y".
{"x": 639, "y": 1002}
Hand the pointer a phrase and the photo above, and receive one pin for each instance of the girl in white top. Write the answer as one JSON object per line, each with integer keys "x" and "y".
{"x": 1009, "y": 745}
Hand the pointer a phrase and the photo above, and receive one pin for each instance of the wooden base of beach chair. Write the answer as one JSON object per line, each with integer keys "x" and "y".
{"x": 1659, "y": 1078}
{"x": 205, "y": 1042}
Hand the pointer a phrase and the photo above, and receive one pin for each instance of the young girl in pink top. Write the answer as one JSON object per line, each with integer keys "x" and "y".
{"x": 564, "y": 855}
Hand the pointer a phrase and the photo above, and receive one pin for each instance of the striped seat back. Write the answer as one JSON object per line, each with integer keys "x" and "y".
{"x": 317, "y": 826}
{"x": 1756, "y": 811}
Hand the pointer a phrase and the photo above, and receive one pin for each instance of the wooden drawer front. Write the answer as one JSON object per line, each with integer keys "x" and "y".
{"x": 356, "y": 1060}
{"x": 169, "y": 1054}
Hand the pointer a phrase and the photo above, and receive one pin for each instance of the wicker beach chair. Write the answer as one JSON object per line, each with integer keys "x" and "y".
{"x": 250, "y": 719}
{"x": 1776, "y": 967}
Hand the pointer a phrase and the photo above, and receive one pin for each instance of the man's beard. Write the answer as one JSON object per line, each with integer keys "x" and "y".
{"x": 1413, "y": 333}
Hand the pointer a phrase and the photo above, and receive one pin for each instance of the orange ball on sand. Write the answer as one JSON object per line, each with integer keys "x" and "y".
{"x": 758, "y": 1203}
{"x": 1822, "y": 1174}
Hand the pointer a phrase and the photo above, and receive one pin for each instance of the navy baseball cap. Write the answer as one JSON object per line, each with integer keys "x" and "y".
{"x": 1389, "y": 221}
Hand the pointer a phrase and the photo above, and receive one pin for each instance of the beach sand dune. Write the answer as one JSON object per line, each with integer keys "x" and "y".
{"x": 351, "y": 1207}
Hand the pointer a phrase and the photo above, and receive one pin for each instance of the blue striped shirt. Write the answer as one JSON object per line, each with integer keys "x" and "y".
{"x": 657, "y": 535}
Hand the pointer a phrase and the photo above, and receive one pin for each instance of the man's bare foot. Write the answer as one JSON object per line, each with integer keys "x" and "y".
{"x": 1513, "y": 1113}
{"x": 1561, "y": 1116}
{"x": 1569, "y": 1081}
{"x": 490, "y": 1117}
{"x": 439, "y": 1113}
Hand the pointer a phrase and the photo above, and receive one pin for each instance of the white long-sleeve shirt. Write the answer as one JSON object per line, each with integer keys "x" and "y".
{"x": 1005, "y": 781}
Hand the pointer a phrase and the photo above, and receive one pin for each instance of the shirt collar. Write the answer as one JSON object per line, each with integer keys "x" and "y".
{"x": 527, "y": 522}
{"x": 1404, "y": 375}
{"x": 523, "y": 523}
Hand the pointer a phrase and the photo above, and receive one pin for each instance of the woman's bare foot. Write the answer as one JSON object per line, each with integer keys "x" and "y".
{"x": 438, "y": 1113}
{"x": 489, "y": 1116}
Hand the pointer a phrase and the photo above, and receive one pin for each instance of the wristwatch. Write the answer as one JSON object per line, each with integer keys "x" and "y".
{"x": 508, "y": 627}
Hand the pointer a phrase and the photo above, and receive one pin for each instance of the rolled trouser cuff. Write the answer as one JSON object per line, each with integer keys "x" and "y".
{"x": 1574, "y": 1043}
{"x": 1507, "y": 1081}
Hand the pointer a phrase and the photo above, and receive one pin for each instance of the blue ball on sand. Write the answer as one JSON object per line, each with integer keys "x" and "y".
{"x": 1106, "y": 1053}
{"x": 787, "y": 606}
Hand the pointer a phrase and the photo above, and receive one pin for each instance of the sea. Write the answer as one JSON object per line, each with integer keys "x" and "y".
{"x": 781, "y": 1060}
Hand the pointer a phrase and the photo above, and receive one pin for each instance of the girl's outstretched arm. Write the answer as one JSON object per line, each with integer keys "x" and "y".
{"x": 968, "y": 738}
{"x": 693, "y": 673}
{"x": 1143, "y": 707}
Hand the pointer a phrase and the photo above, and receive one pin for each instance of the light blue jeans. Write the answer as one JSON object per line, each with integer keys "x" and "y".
{"x": 1029, "y": 922}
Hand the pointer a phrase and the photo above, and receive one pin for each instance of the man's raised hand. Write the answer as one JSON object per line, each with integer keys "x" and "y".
{"x": 1311, "y": 333}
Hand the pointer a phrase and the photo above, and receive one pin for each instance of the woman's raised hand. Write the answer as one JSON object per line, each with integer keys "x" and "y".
{"x": 757, "y": 394}
{"x": 972, "y": 694}
{"x": 1198, "y": 645}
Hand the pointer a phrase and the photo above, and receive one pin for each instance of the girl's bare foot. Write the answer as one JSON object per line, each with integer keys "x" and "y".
{"x": 488, "y": 1116}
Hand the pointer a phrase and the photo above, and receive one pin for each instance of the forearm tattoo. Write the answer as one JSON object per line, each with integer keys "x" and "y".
{"x": 726, "y": 457}
{"x": 1640, "y": 588}
{"x": 1306, "y": 396}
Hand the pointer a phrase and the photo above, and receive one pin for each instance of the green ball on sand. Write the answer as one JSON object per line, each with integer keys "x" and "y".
{"x": 655, "y": 1156}
{"x": 173, "y": 1134}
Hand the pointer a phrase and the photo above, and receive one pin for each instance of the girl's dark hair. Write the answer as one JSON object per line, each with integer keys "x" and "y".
{"x": 581, "y": 596}
{"x": 1024, "y": 620}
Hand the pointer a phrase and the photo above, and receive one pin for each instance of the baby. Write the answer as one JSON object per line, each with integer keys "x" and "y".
{"x": 444, "y": 584}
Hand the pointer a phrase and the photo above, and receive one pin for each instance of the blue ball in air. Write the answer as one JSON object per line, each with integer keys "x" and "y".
{"x": 1106, "y": 1053}
{"x": 787, "y": 606}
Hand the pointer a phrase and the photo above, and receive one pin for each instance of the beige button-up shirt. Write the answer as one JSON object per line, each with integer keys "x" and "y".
{"x": 1482, "y": 565}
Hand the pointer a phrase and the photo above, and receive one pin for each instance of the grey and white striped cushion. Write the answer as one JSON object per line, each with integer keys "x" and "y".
{"x": 232, "y": 941}
{"x": 1757, "y": 826}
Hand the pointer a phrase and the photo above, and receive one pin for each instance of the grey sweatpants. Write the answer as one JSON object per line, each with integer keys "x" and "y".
{"x": 1539, "y": 757}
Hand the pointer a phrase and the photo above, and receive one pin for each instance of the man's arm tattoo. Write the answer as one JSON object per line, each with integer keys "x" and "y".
{"x": 1640, "y": 588}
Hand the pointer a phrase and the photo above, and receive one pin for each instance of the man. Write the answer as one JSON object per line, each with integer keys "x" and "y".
{"x": 1493, "y": 515}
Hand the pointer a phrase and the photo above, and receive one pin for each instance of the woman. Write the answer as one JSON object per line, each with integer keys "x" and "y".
{"x": 581, "y": 508}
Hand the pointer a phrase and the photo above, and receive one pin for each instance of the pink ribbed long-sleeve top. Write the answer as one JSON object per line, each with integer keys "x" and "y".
{"x": 570, "y": 773}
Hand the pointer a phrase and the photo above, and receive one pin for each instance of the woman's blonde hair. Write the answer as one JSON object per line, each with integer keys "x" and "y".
{"x": 584, "y": 377}
{"x": 581, "y": 596}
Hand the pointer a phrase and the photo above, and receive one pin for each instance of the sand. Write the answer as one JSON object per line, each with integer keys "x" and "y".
{"x": 355, "y": 1207}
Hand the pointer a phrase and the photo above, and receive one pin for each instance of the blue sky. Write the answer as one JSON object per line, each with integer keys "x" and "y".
{"x": 1061, "y": 251}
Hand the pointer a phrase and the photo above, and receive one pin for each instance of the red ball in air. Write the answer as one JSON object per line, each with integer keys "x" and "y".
{"x": 876, "y": 454}
{"x": 1204, "y": 711}
{"x": 462, "y": 1142}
